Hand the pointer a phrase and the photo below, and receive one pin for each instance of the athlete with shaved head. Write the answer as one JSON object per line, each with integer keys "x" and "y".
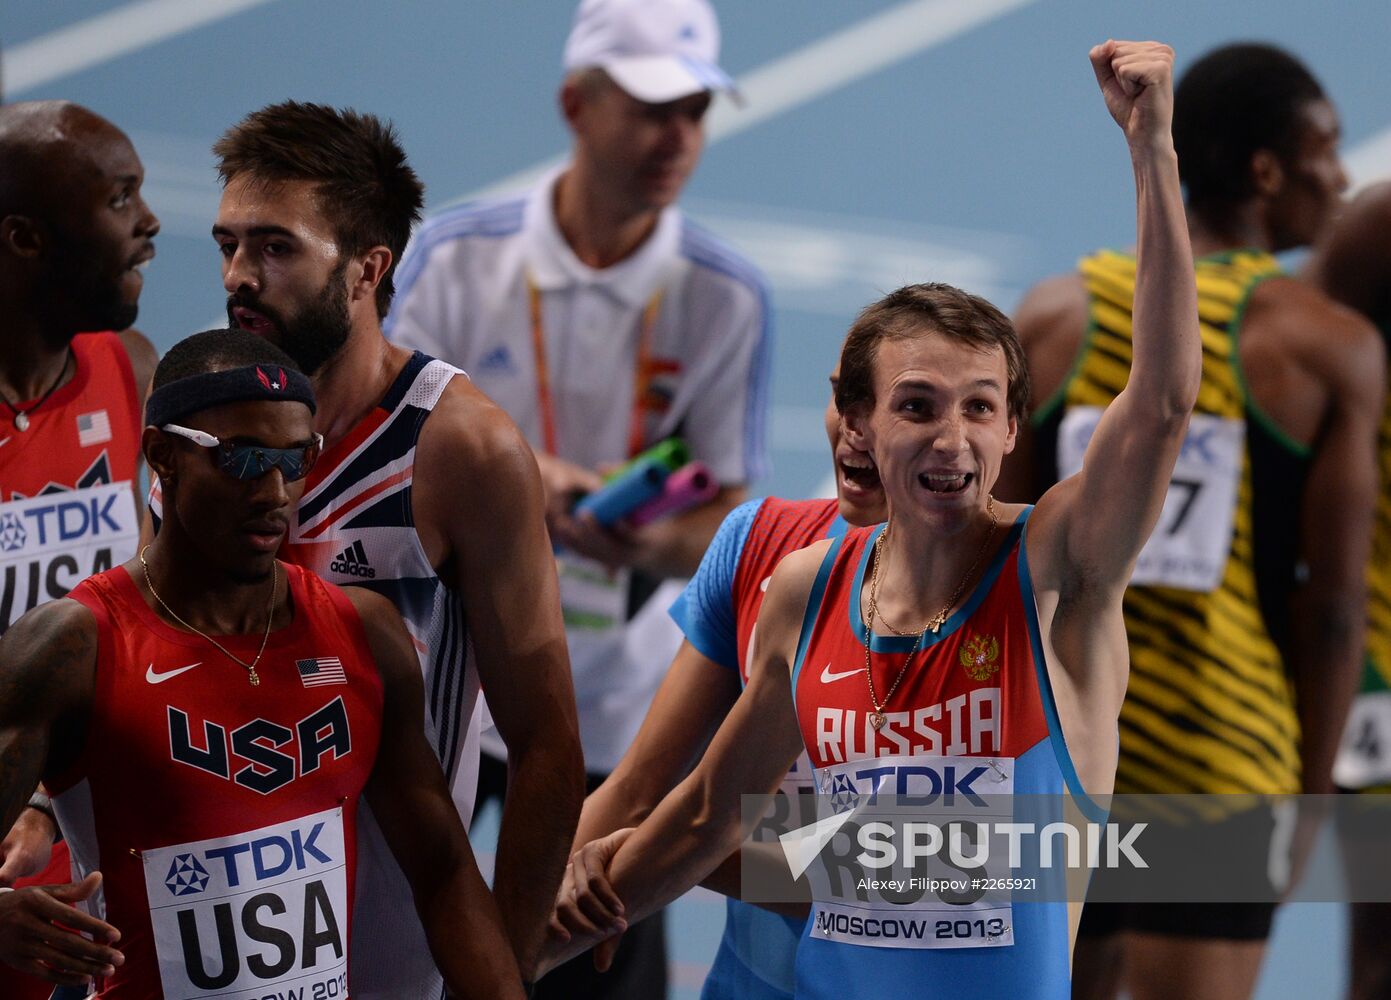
{"x": 75, "y": 236}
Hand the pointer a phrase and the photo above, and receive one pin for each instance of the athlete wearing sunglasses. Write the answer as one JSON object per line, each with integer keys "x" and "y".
{"x": 252, "y": 459}
{"x": 112, "y": 694}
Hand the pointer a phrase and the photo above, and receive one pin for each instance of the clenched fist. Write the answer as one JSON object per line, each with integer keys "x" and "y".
{"x": 1137, "y": 80}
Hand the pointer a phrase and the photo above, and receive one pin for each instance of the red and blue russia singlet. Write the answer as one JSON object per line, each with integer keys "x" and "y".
{"x": 976, "y": 700}
{"x": 717, "y": 612}
{"x": 222, "y": 815}
{"x": 67, "y": 510}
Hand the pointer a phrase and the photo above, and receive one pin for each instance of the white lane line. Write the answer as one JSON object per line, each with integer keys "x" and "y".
{"x": 850, "y": 54}
{"x": 817, "y": 69}
{"x": 107, "y": 36}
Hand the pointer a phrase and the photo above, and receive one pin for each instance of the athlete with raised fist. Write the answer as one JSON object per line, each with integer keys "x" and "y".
{"x": 979, "y": 632}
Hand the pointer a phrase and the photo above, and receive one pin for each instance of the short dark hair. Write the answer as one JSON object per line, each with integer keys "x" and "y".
{"x": 1232, "y": 102}
{"x": 929, "y": 308}
{"x": 365, "y": 186}
{"x": 215, "y": 351}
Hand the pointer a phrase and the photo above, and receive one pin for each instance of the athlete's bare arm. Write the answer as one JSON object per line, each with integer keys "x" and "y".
{"x": 143, "y": 359}
{"x": 413, "y": 806}
{"x": 1352, "y": 265}
{"x": 1101, "y": 517}
{"x": 1088, "y": 530}
{"x": 480, "y": 516}
{"x": 1318, "y": 372}
{"x": 699, "y": 824}
{"x": 1051, "y": 321}
{"x": 695, "y": 696}
{"x": 47, "y": 682}
{"x": 1328, "y": 610}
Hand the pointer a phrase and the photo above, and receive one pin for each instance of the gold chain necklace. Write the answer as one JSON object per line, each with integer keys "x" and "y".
{"x": 270, "y": 617}
{"x": 877, "y": 717}
{"x": 936, "y": 621}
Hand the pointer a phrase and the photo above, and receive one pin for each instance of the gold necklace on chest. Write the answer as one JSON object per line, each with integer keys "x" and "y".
{"x": 877, "y": 717}
{"x": 250, "y": 668}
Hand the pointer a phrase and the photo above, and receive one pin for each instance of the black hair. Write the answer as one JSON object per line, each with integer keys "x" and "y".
{"x": 216, "y": 350}
{"x": 369, "y": 192}
{"x": 1236, "y": 100}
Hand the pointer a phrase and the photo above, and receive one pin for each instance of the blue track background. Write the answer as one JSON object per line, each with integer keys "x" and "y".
{"x": 983, "y": 158}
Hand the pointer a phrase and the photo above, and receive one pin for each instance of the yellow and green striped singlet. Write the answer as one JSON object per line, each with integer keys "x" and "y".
{"x": 1210, "y": 707}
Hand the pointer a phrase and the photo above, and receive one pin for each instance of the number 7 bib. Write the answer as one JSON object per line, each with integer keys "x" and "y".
{"x": 1189, "y": 547}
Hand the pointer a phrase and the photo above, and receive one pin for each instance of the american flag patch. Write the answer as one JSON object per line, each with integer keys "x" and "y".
{"x": 93, "y": 428}
{"x": 321, "y": 671}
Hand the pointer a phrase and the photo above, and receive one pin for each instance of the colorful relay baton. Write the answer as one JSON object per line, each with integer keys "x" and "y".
{"x": 641, "y": 483}
{"x": 671, "y": 454}
{"x": 687, "y": 487}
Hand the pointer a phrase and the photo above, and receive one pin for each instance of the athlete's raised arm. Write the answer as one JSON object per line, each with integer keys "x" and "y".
{"x": 699, "y": 824}
{"x": 485, "y": 507}
{"x": 1093, "y": 525}
{"x": 412, "y": 804}
{"x": 47, "y": 679}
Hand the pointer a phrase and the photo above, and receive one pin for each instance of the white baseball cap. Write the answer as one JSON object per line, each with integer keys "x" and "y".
{"x": 656, "y": 50}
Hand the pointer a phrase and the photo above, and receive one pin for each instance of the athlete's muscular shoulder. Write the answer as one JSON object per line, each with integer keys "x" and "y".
{"x": 387, "y": 638}
{"x": 472, "y": 464}
{"x": 48, "y": 665}
{"x": 1301, "y": 352}
{"x": 143, "y": 358}
{"x": 780, "y": 616}
{"x": 1051, "y": 321}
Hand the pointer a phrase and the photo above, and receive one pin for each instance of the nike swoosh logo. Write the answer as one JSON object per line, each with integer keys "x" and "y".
{"x": 155, "y": 678}
{"x": 827, "y": 677}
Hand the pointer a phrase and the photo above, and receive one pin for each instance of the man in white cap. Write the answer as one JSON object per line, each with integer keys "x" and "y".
{"x": 603, "y": 322}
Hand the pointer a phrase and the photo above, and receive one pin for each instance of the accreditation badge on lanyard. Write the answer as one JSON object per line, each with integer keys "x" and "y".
{"x": 593, "y": 598}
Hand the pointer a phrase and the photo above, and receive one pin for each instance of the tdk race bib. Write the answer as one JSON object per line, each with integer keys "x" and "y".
{"x": 51, "y": 543}
{"x": 257, "y": 914}
{"x": 1364, "y": 756}
{"x": 1189, "y": 546}
{"x": 927, "y": 899}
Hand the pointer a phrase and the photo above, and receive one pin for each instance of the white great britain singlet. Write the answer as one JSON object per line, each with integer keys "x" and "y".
{"x": 354, "y": 526}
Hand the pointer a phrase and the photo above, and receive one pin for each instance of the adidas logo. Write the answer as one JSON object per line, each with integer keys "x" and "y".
{"x": 352, "y": 561}
{"x": 499, "y": 359}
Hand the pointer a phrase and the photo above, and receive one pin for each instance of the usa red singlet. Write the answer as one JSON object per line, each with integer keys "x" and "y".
{"x": 222, "y": 815}
{"x": 67, "y": 510}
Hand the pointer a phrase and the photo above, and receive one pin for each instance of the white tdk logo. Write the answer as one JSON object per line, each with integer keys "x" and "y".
{"x": 352, "y": 561}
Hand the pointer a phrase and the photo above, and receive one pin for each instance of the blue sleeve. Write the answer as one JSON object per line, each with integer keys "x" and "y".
{"x": 705, "y": 609}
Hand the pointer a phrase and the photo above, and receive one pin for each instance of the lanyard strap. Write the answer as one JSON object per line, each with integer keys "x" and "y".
{"x": 642, "y": 373}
